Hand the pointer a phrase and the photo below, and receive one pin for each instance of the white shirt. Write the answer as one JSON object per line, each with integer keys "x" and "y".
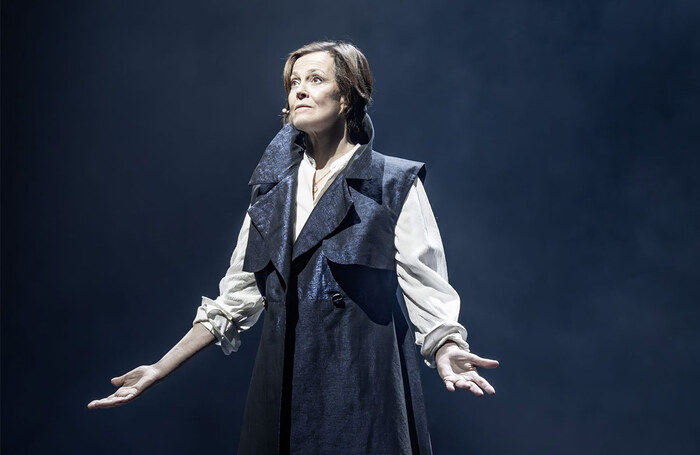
{"x": 431, "y": 302}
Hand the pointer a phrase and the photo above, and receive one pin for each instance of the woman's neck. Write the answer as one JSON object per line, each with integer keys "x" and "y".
{"x": 328, "y": 146}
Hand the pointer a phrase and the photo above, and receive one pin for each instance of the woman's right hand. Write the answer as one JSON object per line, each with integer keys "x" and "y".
{"x": 131, "y": 385}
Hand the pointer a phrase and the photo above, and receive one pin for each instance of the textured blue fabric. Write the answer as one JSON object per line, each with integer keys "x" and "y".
{"x": 336, "y": 370}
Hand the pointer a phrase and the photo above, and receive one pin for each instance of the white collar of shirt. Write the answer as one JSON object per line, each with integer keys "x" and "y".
{"x": 337, "y": 164}
{"x": 305, "y": 200}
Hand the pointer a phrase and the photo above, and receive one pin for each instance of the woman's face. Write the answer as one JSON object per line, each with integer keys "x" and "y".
{"x": 315, "y": 104}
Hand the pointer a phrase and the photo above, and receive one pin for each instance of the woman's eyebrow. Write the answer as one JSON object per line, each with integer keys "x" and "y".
{"x": 310, "y": 70}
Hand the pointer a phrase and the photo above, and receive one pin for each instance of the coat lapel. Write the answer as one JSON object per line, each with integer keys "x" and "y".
{"x": 283, "y": 153}
{"x": 277, "y": 230}
{"x": 273, "y": 207}
{"x": 273, "y": 212}
{"x": 337, "y": 201}
{"x": 325, "y": 217}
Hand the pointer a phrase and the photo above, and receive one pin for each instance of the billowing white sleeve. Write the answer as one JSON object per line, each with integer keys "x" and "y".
{"x": 239, "y": 303}
{"x": 431, "y": 302}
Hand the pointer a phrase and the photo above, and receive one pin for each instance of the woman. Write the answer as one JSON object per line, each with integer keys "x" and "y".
{"x": 333, "y": 230}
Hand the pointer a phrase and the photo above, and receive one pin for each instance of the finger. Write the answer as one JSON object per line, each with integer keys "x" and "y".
{"x": 100, "y": 404}
{"x": 126, "y": 391}
{"x": 473, "y": 376}
{"x": 95, "y": 403}
{"x": 118, "y": 397}
{"x": 481, "y": 362}
{"x": 476, "y": 390}
{"x": 466, "y": 384}
{"x": 119, "y": 380}
{"x": 110, "y": 401}
{"x": 484, "y": 384}
{"x": 449, "y": 385}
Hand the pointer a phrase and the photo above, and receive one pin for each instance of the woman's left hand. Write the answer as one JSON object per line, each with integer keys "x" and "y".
{"x": 457, "y": 368}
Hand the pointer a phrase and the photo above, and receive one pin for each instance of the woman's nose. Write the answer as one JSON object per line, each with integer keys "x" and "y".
{"x": 301, "y": 91}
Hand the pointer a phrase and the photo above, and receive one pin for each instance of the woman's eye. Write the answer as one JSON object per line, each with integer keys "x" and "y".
{"x": 317, "y": 79}
{"x": 295, "y": 82}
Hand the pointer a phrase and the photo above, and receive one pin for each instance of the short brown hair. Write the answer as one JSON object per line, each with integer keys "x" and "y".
{"x": 352, "y": 74}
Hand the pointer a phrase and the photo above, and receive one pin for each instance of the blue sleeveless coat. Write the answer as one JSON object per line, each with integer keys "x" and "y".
{"x": 336, "y": 370}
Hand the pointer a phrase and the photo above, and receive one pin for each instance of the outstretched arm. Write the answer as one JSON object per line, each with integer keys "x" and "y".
{"x": 432, "y": 303}
{"x": 133, "y": 383}
{"x": 236, "y": 309}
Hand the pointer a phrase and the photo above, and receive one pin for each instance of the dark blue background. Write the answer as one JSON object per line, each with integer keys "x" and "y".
{"x": 561, "y": 140}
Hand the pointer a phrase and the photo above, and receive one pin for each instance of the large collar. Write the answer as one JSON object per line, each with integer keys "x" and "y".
{"x": 286, "y": 150}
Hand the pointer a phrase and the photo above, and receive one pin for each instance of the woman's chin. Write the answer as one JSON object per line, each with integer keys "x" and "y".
{"x": 316, "y": 126}
{"x": 301, "y": 123}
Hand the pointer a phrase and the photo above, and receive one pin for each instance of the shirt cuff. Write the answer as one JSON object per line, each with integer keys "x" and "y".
{"x": 218, "y": 323}
{"x": 434, "y": 339}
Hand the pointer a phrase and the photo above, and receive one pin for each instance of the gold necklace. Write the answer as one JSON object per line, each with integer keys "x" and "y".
{"x": 314, "y": 187}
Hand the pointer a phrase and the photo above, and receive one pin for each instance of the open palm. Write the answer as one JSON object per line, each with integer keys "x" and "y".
{"x": 130, "y": 386}
{"x": 457, "y": 368}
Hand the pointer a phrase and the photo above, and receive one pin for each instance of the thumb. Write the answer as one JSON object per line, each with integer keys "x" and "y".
{"x": 482, "y": 362}
{"x": 119, "y": 380}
